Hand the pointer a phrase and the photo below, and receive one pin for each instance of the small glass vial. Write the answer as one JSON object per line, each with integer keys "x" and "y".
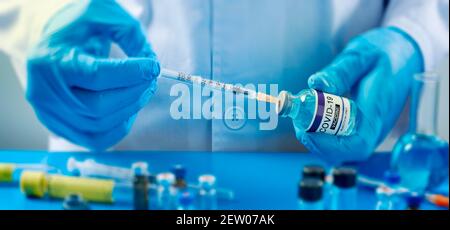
{"x": 207, "y": 195}
{"x": 392, "y": 180}
{"x": 414, "y": 200}
{"x": 166, "y": 191}
{"x": 384, "y": 196}
{"x": 185, "y": 201}
{"x": 344, "y": 192}
{"x": 180, "y": 176}
{"x": 310, "y": 194}
{"x": 316, "y": 111}
{"x": 140, "y": 186}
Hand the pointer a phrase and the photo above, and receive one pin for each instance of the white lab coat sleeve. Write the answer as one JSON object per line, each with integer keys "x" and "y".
{"x": 426, "y": 21}
{"x": 21, "y": 24}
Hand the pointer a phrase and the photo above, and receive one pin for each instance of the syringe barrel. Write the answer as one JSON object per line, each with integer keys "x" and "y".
{"x": 90, "y": 168}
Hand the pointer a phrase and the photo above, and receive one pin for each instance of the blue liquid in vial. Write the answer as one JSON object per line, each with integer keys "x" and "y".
{"x": 421, "y": 161}
{"x": 303, "y": 108}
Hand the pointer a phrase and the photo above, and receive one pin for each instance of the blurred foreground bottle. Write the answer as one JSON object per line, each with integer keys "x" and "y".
{"x": 420, "y": 157}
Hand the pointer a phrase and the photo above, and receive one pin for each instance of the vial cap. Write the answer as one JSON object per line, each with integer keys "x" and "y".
{"x": 392, "y": 177}
{"x": 310, "y": 189}
{"x": 284, "y": 103}
{"x": 414, "y": 200}
{"x": 165, "y": 179}
{"x": 344, "y": 177}
{"x": 207, "y": 181}
{"x": 314, "y": 171}
{"x": 140, "y": 168}
{"x": 179, "y": 171}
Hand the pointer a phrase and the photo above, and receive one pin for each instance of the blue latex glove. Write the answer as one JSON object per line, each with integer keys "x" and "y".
{"x": 78, "y": 92}
{"x": 377, "y": 69}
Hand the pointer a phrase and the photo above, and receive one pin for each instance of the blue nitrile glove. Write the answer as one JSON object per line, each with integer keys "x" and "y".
{"x": 377, "y": 69}
{"x": 78, "y": 92}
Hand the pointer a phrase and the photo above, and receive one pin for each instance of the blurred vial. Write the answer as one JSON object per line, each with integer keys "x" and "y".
{"x": 414, "y": 200}
{"x": 310, "y": 194}
{"x": 207, "y": 195}
{"x": 392, "y": 180}
{"x": 344, "y": 191}
{"x": 318, "y": 172}
{"x": 140, "y": 186}
{"x": 166, "y": 191}
{"x": 185, "y": 201}
{"x": 384, "y": 196}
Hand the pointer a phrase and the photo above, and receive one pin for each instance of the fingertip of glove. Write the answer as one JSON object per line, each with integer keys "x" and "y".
{"x": 153, "y": 70}
{"x": 320, "y": 81}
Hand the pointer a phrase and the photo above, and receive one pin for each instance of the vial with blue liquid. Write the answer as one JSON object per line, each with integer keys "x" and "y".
{"x": 316, "y": 111}
{"x": 420, "y": 157}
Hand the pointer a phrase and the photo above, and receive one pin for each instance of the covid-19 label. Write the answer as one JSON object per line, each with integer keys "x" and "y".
{"x": 332, "y": 114}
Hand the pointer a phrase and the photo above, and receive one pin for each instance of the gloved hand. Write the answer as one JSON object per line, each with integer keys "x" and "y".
{"x": 377, "y": 70}
{"x": 79, "y": 93}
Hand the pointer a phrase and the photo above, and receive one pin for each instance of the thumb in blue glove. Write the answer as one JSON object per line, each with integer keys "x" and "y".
{"x": 79, "y": 93}
{"x": 376, "y": 70}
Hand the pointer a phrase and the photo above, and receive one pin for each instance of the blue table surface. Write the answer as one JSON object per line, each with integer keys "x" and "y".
{"x": 262, "y": 181}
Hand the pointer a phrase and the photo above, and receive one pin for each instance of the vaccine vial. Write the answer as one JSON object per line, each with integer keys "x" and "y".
{"x": 310, "y": 194}
{"x": 207, "y": 194}
{"x": 316, "y": 111}
{"x": 166, "y": 191}
{"x": 140, "y": 186}
{"x": 384, "y": 198}
{"x": 344, "y": 191}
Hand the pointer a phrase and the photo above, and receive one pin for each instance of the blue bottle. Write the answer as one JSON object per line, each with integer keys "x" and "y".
{"x": 310, "y": 194}
{"x": 420, "y": 157}
{"x": 316, "y": 111}
{"x": 344, "y": 191}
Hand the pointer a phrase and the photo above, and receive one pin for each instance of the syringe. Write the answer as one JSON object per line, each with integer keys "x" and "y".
{"x": 216, "y": 85}
{"x": 90, "y": 168}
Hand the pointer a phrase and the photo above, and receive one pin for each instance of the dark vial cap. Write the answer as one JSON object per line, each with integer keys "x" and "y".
{"x": 310, "y": 189}
{"x": 75, "y": 202}
{"x": 392, "y": 177}
{"x": 314, "y": 171}
{"x": 344, "y": 177}
{"x": 414, "y": 200}
{"x": 179, "y": 171}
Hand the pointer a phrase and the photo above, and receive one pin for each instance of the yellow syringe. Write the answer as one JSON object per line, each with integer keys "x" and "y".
{"x": 216, "y": 85}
